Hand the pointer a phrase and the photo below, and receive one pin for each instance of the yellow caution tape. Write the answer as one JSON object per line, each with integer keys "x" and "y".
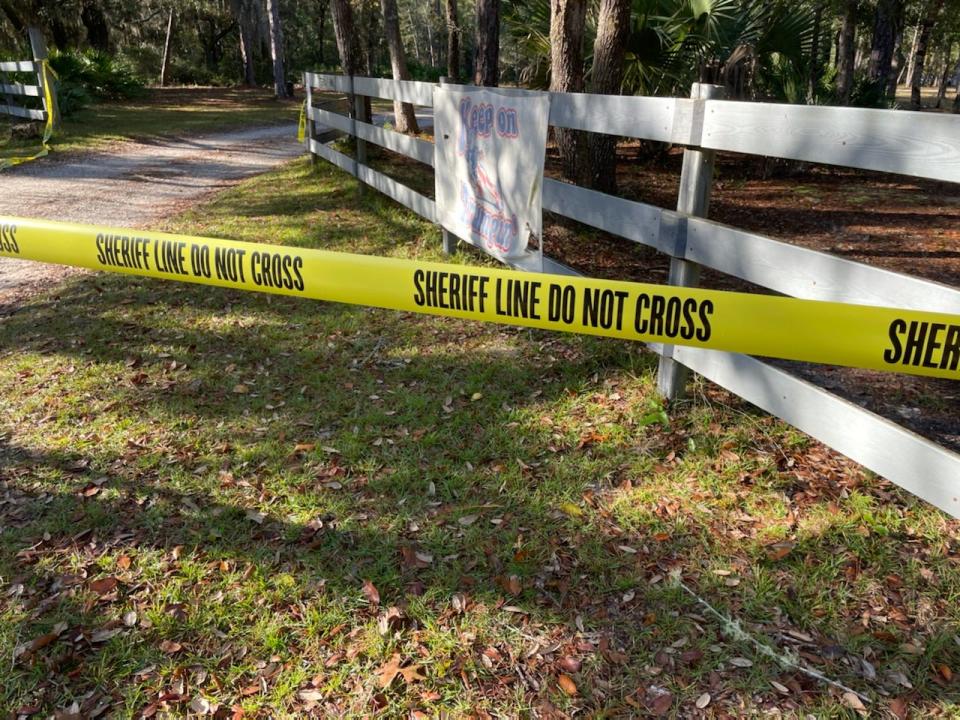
{"x": 48, "y": 128}
{"x": 302, "y": 124}
{"x": 919, "y": 343}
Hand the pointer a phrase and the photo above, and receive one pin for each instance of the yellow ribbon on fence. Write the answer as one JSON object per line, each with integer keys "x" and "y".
{"x": 46, "y": 71}
{"x": 302, "y": 125}
{"x": 880, "y": 338}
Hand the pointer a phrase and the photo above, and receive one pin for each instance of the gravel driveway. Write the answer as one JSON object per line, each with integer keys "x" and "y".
{"x": 133, "y": 184}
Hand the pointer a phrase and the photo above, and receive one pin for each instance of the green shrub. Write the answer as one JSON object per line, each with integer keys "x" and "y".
{"x": 86, "y": 76}
{"x": 425, "y": 72}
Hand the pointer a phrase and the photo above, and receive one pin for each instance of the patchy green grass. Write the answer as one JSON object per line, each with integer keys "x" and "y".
{"x": 214, "y": 501}
{"x": 163, "y": 112}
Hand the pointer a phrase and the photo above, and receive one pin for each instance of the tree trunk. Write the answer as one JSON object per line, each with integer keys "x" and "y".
{"x": 430, "y": 47}
{"x": 566, "y": 75}
{"x": 413, "y": 34}
{"x": 913, "y": 52}
{"x": 13, "y": 15}
{"x": 919, "y": 54}
{"x": 613, "y": 29}
{"x": 276, "y": 49}
{"x": 813, "y": 79}
{"x": 246, "y": 56}
{"x": 885, "y": 30}
{"x": 846, "y": 52}
{"x": 348, "y": 45}
{"x": 487, "y": 64}
{"x": 945, "y": 77}
{"x": 323, "y": 33}
{"x": 165, "y": 63}
{"x": 241, "y": 13}
{"x": 453, "y": 42}
{"x": 98, "y": 29}
{"x": 403, "y": 113}
{"x": 897, "y": 67}
{"x": 956, "y": 102}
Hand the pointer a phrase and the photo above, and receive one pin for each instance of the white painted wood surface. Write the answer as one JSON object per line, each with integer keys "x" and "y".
{"x": 342, "y": 161}
{"x": 324, "y": 81}
{"x": 804, "y": 273}
{"x": 19, "y": 89}
{"x": 420, "y": 204}
{"x": 411, "y": 147}
{"x": 760, "y": 260}
{"x": 633, "y": 220}
{"x": 693, "y": 200}
{"x": 652, "y": 118}
{"x": 23, "y": 112}
{"x": 909, "y": 143}
{"x": 914, "y": 463}
{"x": 18, "y": 66}
{"x": 411, "y": 91}
{"x": 928, "y": 149}
{"x": 330, "y": 119}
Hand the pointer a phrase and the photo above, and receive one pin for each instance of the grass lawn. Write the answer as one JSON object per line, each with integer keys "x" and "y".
{"x": 214, "y": 502}
{"x": 164, "y": 112}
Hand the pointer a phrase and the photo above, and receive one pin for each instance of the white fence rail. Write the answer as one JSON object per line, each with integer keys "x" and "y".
{"x": 919, "y": 145}
{"x": 14, "y": 90}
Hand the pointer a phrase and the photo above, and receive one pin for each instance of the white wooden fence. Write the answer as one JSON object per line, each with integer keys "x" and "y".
{"x": 916, "y": 144}
{"x": 17, "y": 84}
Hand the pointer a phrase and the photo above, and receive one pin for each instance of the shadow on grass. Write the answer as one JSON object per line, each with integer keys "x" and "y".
{"x": 257, "y": 459}
{"x": 397, "y": 448}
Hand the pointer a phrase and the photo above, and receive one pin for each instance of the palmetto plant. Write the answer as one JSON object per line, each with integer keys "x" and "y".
{"x": 758, "y": 48}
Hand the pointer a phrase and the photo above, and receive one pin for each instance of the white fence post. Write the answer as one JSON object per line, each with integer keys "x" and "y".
{"x": 38, "y": 48}
{"x": 359, "y": 115}
{"x": 696, "y": 179}
{"x": 310, "y": 133}
{"x": 449, "y": 241}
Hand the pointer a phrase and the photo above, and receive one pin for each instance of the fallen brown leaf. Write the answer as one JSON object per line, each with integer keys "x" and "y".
{"x": 390, "y": 669}
{"x": 170, "y": 647}
{"x": 371, "y": 592}
{"x": 661, "y": 704}
{"x": 898, "y": 706}
{"x": 104, "y": 585}
{"x": 567, "y": 684}
{"x": 779, "y": 550}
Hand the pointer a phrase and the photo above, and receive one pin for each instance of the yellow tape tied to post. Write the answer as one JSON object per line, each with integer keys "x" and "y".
{"x": 48, "y": 127}
{"x": 919, "y": 343}
{"x": 302, "y": 123}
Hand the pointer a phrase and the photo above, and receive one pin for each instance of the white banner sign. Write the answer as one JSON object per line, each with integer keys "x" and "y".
{"x": 489, "y": 153}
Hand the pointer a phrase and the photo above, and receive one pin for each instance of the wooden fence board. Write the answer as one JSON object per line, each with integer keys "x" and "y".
{"x": 909, "y": 143}
{"x": 801, "y": 272}
{"x": 411, "y": 91}
{"x": 420, "y": 204}
{"x": 323, "y": 81}
{"x": 330, "y": 119}
{"x": 18, "y": 66}
{"x": 646, "y": 117}
{"x": 635, "y": 221}
{"x": 20, "y": 89}
{"x": 916, "y": 464}
{"x": 412, "y": 147}
{"x": 342, "y": 161}
{"x": 23, "y": 112}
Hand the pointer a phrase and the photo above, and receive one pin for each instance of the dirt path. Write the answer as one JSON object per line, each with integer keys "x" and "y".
{"x": 133, "y": 184}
